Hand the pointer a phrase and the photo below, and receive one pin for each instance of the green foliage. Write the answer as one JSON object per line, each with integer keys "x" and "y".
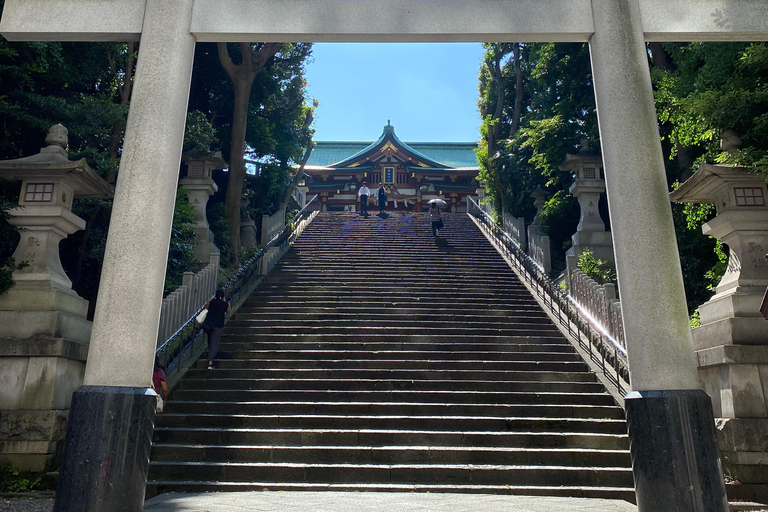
{"x": 695, "y": 320}
{"x": 199, "y": 135}
{"x": 599, "y": 270}
{"x": 217, "y": 223}
{"x": 181, "y": 252}
{"x": 8, "y": 240}
{"x": 12, "y": 480}
{"x": 716, "y": 273}
{"x": 559, "y": 218}
{"x": 558, "y": 111}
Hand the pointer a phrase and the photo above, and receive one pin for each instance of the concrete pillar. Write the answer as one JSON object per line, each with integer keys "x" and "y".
{"x": 108, "y": 441}
{"x": 671, "y": 426}
{"x": 140, "y": 230}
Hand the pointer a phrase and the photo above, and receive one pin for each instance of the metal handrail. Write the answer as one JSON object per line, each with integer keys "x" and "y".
{"x": 601, "y": 348}
{"x": 171, "y": 351}
{"x": 283, "y": 235}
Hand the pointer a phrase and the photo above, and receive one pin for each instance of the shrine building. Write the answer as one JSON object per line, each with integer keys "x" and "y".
{"x": 412, "y": 173}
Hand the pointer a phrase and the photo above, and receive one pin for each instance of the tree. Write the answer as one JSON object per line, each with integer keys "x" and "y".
{"x": 252, "y": 60}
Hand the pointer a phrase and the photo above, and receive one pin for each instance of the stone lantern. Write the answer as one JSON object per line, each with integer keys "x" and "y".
{"x": 44, "y": 332}
{"x": 199, "y": 182}
{"x": 732, "y": 340}
{"x": 538, "y": 243}
{"x": 589, "y": 184}
{"x": 539, "y": 199}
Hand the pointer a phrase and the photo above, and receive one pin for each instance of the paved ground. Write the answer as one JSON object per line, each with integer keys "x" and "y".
{"x": 375, "y": 502}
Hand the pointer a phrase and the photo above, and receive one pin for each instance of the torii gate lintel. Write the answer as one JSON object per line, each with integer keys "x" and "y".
{"x": 383, "y": 20}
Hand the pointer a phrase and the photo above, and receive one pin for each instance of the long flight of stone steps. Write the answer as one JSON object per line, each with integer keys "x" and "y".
{"x": 376, "y": 357}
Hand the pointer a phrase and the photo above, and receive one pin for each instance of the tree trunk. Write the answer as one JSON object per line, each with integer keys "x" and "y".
{"x": 300, "y": 173}
{"x": 518, "y": 90}
{"x": 118, "y": 129}
{"x": 237, "y": 165}
{"x": 242, "y": 76}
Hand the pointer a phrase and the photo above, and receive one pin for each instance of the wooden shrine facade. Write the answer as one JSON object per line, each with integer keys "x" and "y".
{"x": 412, "y": 174}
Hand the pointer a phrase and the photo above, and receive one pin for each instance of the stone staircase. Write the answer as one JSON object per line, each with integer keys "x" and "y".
{"x": 376, "y": 357}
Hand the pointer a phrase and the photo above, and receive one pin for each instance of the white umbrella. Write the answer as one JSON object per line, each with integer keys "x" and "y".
{"x": 437, "y": 202}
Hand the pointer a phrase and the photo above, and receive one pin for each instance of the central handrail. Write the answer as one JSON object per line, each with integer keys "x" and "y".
{"x": 287, "y": 230}
{"x": 601, "y": 348}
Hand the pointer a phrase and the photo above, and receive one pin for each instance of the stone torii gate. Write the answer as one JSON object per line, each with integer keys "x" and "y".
{"x": 673, "y": 445}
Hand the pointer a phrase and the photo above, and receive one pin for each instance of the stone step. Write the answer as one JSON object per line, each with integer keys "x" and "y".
{"x": 516, "y": 329}
{"x": 365, "y": 371}
{"x": 450, "y": 339}
{"x": 340, "y": 355}
{"x": 422, "y": 422}
{"x": 553, "y": 345}
{"x": 397, "y": 473}
{"x": 459, "y": 322}
{"x": 375, "y": 317}
{"x": 388, "y": 384}
{"x": 291, "y": 309}
{"x": 383, "y": 364}
{"x": 581, "y": 491}
{"x": 553, "y": 411}
{"x": 391, "y": 455}
{"x": 422, "y": 365}
{"x": 393, "y": 395}
{"x": 394, "y": 437}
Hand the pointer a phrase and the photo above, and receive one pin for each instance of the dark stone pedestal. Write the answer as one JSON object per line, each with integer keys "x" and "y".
{"x": 106, "y": 454}
{"x": 675, "y": 457}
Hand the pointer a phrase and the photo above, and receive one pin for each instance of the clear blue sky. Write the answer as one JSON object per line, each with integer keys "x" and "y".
{"x": 428, "y": 90}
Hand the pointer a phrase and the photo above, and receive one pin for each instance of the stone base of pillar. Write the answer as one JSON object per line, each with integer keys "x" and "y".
{"x": 29, "y": 312}
{"x": 37, "y": 378}
{"x": 675, "y": 458}
{"x": 106, "y": 457}
{"x": 599, "y": 242}
{"x": 736, "y": 377}
{"x": 744, "y": 448}
{"x": 33, "y": 440}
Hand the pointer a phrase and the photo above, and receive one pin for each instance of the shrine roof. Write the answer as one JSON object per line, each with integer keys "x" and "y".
{"x": 433, "y": 154}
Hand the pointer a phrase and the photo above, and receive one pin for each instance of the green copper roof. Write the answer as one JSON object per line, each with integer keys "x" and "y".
{"x": 451, "y": 154}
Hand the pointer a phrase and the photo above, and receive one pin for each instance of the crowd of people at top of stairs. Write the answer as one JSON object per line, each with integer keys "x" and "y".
{"x": 381, "y": 195}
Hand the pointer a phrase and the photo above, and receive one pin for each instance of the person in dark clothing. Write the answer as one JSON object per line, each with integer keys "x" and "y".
{"x": 382, "y": 197}
{"x": 214, "y": 324}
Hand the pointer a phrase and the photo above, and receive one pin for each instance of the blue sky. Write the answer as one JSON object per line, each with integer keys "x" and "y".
{"x": 428, "y": 90}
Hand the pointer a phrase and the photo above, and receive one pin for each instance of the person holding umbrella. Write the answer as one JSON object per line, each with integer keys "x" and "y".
{"x": 434, "y": 215}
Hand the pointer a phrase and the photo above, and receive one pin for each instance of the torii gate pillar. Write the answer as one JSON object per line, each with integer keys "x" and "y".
{"x": 675, "y": 458}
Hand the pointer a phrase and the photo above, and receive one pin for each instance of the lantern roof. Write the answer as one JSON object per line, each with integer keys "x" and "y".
{"x": 708, "y": 180}
{"x": 53, "y": 163}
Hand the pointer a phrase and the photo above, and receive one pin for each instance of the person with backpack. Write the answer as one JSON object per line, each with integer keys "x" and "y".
{"x": 214, "y": 323}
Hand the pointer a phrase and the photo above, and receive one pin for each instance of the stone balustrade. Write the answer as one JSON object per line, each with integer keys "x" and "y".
{"x": 538, "y": 248}
{"x": 598, "y": 300}
{"x": 271, "y": 225}
{"x": 515, "y": 228}
{"x": 274, "y": 252}
{"x": 195, "y": 291}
